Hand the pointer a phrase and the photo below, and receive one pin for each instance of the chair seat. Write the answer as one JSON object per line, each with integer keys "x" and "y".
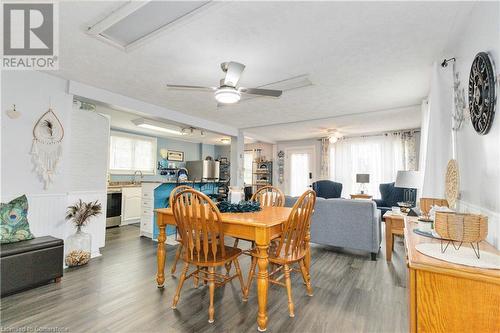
{"x": 281, "y": 258}
{"x": 230, "y": 254}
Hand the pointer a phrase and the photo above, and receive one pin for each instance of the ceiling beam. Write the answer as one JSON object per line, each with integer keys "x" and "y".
{"x": 398, "y": 108}
{"x": 154, "y": 111}
{"x": 258, "y": 138}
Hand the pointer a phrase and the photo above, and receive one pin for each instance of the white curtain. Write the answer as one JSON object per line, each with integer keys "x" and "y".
{"x": 408, "y": 153}
{"x": 325, "y": 158}
{"x": 380, "y": 156}
{"x": 436, "y": 141}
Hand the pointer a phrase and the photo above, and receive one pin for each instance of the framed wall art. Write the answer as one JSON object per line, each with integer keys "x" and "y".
{"x": 176, "y": 156}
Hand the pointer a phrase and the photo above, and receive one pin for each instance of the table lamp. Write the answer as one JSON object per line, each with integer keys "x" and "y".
{"x": 362, "y": 178}
{"x": 410, "y": 181}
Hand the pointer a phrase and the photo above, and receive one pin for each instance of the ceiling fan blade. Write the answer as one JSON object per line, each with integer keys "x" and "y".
{"x": 233, "y": 73}
{"x": 180, "y": 86}
{"x": 261, "y": 92}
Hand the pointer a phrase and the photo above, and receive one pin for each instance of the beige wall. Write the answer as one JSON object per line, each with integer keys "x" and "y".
{"x": 266, "y": 149}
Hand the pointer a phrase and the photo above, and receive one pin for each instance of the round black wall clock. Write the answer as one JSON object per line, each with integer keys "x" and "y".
{"x": 482, "y": 93}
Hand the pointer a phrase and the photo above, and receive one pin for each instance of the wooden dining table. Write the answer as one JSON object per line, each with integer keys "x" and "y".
{"x": 261, "y": 227}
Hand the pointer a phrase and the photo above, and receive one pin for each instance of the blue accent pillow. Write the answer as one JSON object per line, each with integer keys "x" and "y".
{"x": 14, "y": 226}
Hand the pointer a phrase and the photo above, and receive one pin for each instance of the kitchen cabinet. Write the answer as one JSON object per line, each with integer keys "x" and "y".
{"x": 131, "y": 204}
{"x": 147, "y": 209}
{"x": 448, "y": 297}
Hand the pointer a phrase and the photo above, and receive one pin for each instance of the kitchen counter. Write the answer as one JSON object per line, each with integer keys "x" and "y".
{"x": 185, "y": 182}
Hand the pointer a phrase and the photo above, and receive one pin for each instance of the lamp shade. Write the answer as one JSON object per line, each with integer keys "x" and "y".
{"x": 408, "y": 179}
{"x": 362, "y": 178}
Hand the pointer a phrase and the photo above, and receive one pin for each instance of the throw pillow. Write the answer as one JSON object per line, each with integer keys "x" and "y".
{"x": 14, "y": 226}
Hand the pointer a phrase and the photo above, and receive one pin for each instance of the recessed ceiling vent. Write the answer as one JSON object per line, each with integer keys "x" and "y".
{"x": 135, "y": 22}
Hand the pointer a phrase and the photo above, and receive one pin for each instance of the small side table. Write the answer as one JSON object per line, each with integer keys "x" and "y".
{"x": 361, "y": 196}
{"x": 394, "y": 225}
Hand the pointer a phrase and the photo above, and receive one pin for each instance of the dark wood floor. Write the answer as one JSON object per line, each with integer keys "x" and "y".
{"x": 117, "y": 293}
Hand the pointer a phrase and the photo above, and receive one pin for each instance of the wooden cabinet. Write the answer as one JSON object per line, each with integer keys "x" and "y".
{"x": 446, "y": 297}
{"x": 131, "y": 204}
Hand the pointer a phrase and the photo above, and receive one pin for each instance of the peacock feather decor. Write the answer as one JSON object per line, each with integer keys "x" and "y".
{"x": 81, "y": 212}
{"x": 78, "y": 247}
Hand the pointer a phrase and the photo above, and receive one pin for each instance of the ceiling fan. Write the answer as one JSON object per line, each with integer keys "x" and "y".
{"x": 228, "y": 92}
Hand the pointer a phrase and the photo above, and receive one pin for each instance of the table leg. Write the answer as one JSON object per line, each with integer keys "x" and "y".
{"x": 388, "y": 239}
{"x": 160, "y": 256}
{"x": 262, "y": 284}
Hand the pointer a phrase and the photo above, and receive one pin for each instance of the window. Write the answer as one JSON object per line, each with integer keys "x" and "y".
{"x": 129, "y": 153}
{"x": 247, "y": 167}
{"x": 379, "y": 156}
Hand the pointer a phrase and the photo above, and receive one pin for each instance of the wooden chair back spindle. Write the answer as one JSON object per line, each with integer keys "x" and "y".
{"x": 292, "y": 241}
{"x": 200, "y": 225}
{"x": 269, "y": 196}
{"x": 176, "y": 190}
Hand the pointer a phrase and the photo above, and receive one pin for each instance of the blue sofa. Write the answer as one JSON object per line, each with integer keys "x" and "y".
{"x": 327, "y": 189}
{"x": 353, "y": 224}
{"x": 390, "y": 196}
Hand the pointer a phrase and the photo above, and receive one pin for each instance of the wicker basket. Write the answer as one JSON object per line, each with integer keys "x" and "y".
{"x": 468, "y": 228}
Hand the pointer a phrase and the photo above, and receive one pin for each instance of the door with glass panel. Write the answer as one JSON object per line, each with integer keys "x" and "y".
{"x": 299, "y": 170}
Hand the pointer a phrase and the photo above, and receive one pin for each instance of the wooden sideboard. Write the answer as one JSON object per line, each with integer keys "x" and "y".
{"x": 446, "y": 297}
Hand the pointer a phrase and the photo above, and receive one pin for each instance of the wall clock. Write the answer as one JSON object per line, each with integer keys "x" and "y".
{"x": 482, "y": 93}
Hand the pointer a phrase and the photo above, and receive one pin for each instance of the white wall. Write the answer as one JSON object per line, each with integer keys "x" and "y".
{"x": 478, "y": 156}
{"x": 31, "y": 92}
{"x": 222, "y": 151}
{"x": 266, "y": 149}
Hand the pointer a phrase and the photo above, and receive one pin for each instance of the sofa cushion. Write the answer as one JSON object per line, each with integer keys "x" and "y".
{"x": 390, "y": 194}
{"x": 327, "y": 189}
{"x": 29, "y": 245}
{"x": 14, "y": 225}
{"x": 346, "y": 223}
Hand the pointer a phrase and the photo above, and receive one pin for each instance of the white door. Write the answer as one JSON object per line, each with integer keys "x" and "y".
{"x": 299, "y": 170}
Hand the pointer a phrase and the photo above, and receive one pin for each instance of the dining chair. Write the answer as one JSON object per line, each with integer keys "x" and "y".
{"x": 200, "y": 225}
{"x": 267, "y": 196}
{"x": 176, "y": 190}
{"x": 427, "y": 203}
{"x": 292, "y": 249}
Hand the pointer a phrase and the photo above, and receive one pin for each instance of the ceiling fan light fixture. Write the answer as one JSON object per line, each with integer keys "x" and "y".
{"x": 227, "y": 95}
{"x": 333, "y": 139}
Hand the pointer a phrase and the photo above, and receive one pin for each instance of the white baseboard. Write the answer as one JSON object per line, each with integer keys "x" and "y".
{"x": 493, "y": 220}
{"x": 131, "y": 221}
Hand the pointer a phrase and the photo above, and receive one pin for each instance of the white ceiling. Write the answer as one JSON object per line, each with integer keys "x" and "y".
{"x": 355, "y": 124}
{"x": 122, "y": 120}
{"x": 360, "y": 56}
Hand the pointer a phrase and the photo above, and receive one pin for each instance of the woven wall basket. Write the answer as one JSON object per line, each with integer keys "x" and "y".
{"x": 468, "y": 228}
{"x": 452, "y": 183}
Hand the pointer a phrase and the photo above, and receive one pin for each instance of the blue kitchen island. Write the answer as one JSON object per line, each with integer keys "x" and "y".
{"x": 156, "y": 194}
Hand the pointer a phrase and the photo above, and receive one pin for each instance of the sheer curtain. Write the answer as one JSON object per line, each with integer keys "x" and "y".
{"x": 380, "y": 156}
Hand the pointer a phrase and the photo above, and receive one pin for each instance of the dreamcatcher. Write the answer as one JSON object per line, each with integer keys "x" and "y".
{"x": 46, "y": 149}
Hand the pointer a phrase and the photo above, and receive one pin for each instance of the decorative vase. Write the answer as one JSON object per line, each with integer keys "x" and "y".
{"x": 78, "y": 248}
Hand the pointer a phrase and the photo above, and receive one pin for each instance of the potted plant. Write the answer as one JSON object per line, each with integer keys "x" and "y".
{"x": 79, "y": 245}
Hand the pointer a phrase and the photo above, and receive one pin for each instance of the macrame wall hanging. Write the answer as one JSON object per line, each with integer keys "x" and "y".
{"x": 46, "y": 149}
